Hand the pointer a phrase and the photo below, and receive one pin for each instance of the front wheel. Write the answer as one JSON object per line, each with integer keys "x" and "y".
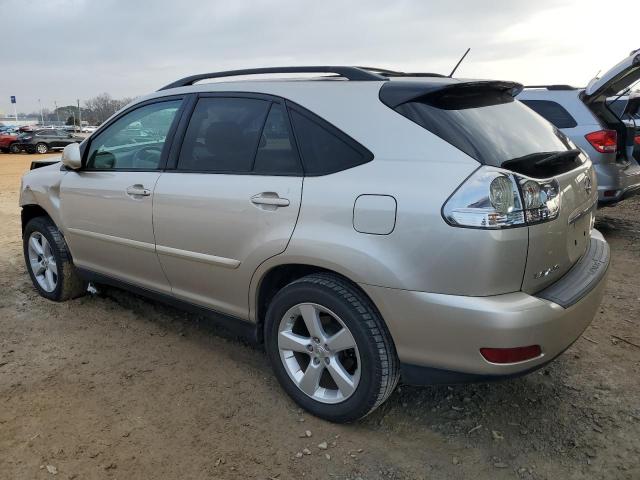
{"x": 330, "y": 349}
{"x": 14, "y": 148}
{"x": 42, "y": 148}
{"x": 49, "y": 261}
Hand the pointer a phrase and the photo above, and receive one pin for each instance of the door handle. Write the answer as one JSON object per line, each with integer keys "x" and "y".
{"x": 269, "y": 199}
{"x": 138, "y": 190}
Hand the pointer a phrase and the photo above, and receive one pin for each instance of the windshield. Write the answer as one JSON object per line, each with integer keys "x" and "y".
{"x": 491, "y": 127}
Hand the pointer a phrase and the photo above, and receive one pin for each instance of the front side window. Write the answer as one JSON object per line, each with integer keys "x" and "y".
{"x": 223, "y": 135}
{"x": 134, "y": 141}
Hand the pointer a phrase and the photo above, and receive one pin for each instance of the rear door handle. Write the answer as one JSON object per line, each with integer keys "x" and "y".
{"x": 138, "y": 190}
{"x": 269, "y": 199}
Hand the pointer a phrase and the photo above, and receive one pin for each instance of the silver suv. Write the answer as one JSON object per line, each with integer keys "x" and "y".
{"x": 589, "y": 117}
{"x": 366, "y": 225}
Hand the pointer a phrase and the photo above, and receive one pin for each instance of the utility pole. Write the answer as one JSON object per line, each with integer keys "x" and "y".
{"x": 79, "y": 116}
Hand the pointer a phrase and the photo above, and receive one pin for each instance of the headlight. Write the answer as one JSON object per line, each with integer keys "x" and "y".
{"x": 493, "y": 198}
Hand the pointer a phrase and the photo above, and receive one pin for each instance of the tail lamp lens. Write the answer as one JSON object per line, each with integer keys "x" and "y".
{"x": 604, "y": 141}
{"x": 511, "y": 355}
{"x": 637, "y": 139}
{"x": 493, "y": 198}
{"x": 501, "y": 194}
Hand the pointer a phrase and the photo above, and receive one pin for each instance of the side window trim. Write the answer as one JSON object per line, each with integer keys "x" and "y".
{"x": 367, "y": 155}
{"x": 190, "y": 105}
{"x": 167, "y": 143}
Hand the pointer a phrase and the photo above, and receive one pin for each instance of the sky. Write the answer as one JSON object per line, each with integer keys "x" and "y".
{"x": 76, "y": 49}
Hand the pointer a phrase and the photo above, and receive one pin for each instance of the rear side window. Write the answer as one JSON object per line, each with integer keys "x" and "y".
{"x": 324, "y": 149}
{"x": 488, "y": 125}
{"x": 223, "y": 135}
{"x": 553, "y": 112}
{"x": 276, "y": 154}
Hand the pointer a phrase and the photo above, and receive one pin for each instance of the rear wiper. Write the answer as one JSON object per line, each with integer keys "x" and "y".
{"x": 542, "y": 163}
{"x": 558, "y": 156}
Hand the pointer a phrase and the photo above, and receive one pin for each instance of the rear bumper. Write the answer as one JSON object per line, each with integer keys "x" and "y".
{"x": 438, "y": 337}
{"x": 617, "y": 182}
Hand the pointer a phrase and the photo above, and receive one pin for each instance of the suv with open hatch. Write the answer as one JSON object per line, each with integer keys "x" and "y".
{"x": 595, "y": 119}
{"x": 365, "y": 225}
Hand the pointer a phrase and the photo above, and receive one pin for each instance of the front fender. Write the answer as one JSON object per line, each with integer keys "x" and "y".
{"x": 42, "y": 187}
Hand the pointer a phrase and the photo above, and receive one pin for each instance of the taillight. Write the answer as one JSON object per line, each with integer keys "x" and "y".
{"x": 637, "y": 139}
{"x": 511, "y": 355}
{"x": 494, "y": 198}
{"x": 604, "y": 141}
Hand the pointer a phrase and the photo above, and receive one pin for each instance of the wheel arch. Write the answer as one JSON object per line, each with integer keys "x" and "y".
{"x": 269, "y": 279}
{"x": 31, "y": 211}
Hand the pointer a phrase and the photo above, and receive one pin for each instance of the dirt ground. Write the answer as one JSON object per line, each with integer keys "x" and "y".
{"x": 116, "y": 386}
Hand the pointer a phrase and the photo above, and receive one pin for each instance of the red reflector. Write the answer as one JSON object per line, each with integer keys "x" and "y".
{"x": 511, "y": 355}
{"x": 610, "y": 193}
{"x": 637, "y": 139}
{"x": 604, "y": 141}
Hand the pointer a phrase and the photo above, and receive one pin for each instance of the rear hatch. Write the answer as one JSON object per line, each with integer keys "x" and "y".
{"x": 601, "y": 94}
{"x": 483, "y": 119}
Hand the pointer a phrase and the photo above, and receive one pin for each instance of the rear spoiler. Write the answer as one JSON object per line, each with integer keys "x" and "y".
{"x": 396, "y": 93}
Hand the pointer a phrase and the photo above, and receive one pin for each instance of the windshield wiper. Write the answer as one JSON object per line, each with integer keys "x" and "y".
{"x": 543, "y": 163}
{"x": 558, "y": 156}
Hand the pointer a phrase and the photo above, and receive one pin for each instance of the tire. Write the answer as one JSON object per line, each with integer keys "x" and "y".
{"x": 14, "y": 148}
{"x": 42, "y": 148}
{"x": 63, "y": 283}
{"x": 376, "y": 370}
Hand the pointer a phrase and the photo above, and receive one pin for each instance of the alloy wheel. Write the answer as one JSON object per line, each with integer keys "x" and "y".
{"x": 319, "y": 353}
{"x": 42, "y": 262}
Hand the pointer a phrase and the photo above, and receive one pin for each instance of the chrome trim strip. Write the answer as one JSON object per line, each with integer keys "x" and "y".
{"x": 149, "y": 247}
{"x": 198, "y": 257}
{"x": 577, "y": 215}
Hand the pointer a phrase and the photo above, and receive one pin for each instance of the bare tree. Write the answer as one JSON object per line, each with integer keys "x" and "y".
{"x": 101, "y": 107}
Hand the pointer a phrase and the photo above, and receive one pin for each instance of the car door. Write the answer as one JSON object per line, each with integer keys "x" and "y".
{"x": 107, "y": 205}
{"x": 45, "y": 136}
{"x": 231, "y": 200}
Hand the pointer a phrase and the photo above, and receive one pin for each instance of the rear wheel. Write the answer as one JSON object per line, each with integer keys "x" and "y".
{"x": 42, "y": 148}
{"x": 49, "y": 261}
{"x": 14, "y": 148}
{"x": 329, "y": 348}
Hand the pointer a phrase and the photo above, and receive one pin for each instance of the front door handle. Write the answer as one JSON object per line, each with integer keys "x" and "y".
{"x": 269, "y": 199}
{"x": 138, "y": 190}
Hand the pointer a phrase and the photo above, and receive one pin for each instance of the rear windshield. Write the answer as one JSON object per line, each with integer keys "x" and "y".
{"x": 489, "y": 126}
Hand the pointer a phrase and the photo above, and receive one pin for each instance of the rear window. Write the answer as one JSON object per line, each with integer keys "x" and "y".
{"x": 553, "y": 112}
{"x": 324, "y": 148}
{"x": 488, "y": 125}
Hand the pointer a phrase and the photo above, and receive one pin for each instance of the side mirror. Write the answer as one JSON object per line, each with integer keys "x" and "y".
{"x": 71, "y": 157}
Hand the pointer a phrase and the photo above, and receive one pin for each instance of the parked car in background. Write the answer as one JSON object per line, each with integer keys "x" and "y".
{"x": 444, "y": 233}
{"x": 627, "y": 108}
{"x": 583, "y": 114}
{"x": 42, "y": 141}
{"x": 8, "y": 142}
{"x": 88, "y": 129}
{"x": 72, "y": 128}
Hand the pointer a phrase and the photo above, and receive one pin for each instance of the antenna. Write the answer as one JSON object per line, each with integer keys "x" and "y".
{"x": 459, "y": 62}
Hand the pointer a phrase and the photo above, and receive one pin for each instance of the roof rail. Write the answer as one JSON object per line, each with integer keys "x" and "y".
{"x": 553, "y": 87}
{"x": 393, "y": 73}
{"x": 350, "y": 73}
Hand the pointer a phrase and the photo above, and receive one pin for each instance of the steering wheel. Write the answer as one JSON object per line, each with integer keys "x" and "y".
{"x": 147, "y": 155}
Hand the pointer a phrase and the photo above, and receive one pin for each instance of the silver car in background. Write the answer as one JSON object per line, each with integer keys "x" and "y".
{"x": 586, "y": 116}
{"x": 366, "y": 225}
